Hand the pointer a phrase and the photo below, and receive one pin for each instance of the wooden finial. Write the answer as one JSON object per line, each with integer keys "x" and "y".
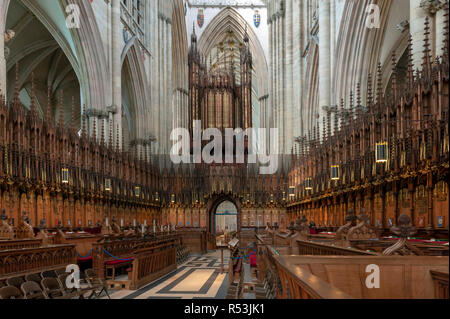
{"x": 117, "y": 139}
{"x": 48, "y": 116}
{"x": 33, "y": 96}
{"x": 369, "y": 93}
{"x": 336, "y": 119}
{"x": 328, "y": 124}
{"x": 16, "y": 89}
{"x": 394, "y": 75}
{"x": 410, "y": 65}
{"x": 61, "y": 110}
{"x": 350, "y": 110}
{"x": 358, "y": 101}
{"x": 379, "y": 85}
{"x": 324, "y": 129}
{"x": 94, "y": 129}
{"x": 83, "y": 131}
{"x": 111, "y": 139}
{"x": 72, "y": 121}
{"x": 102, "y": 139}
{"x": 426, "y": 65}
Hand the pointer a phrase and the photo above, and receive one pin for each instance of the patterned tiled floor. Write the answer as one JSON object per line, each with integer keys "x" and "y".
{"x": 198, "y": 278}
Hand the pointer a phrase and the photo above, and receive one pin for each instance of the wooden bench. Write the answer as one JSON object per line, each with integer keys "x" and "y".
{"x": 401, "y": 277}
{"x": 195, "y": 239}
{"x": 121, "y": 253}
{"x": 152, "y": 263}
{"x": 31, "y": 260}
{"x": 14, "y": 244}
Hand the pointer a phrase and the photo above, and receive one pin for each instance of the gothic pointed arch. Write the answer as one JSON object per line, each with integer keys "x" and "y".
{"x": 40, "y": 49}
{"x": 312, "y": 87}
{"x": 365, "y": 47}
{"x": 135, "y": 93}
{"x": 230, "y": 19}
{"x": 180, "y": 64}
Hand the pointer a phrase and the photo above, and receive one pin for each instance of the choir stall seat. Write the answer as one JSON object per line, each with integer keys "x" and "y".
{"x": 31, "y": 290}
{"x": 52, "y": 288}
{"x": 15, "y": 282}
{"x": 34, "y": 277}
{"x": 60, "y": 271}
{"x": 10, "y": 292}
{"x": 49, "y": 274}
{"x": 97, "y": 284}
{"x": 115, "y": 264}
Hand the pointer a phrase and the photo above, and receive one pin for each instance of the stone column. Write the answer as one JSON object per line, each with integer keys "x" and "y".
{"x": 289, "y": 69}
{"x": 171, "y": 114}
{"x": 332, "y": 48}
{"x": 275, "y": 72}
{"x": 439, "y": 30}
{"x": 296, "y": 68}
{"x": 2, "y": 51}
{"x": 324, "y": 56}
{"x": 161, "y": 82}
{"x": 117, "y": 67}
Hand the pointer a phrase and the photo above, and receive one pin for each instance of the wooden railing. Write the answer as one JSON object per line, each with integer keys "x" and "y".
{"x": 194, "y": 239}
{"x": 22, "y": 261}
{"x": 211, "y": 239}
{"x": 20, "y": 244}
{"x": 300, "y": 284}
{"x": 124, "y": 249}
{"x": 440, "y": 284}
{"x": 317, "y": 249}
{"x": 400, "y": 277}
{"x": 152, "y": 263}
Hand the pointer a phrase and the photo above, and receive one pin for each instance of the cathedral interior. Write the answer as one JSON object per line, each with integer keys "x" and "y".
{"x": 217, "y": 149}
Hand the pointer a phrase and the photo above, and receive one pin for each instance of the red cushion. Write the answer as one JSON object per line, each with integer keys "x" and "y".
{"x": 84, "y": 259}
{"x": 253, "y": 262}
{"x": 129, "y": 269}
{"x": 237, "y": 268}
{"x": 117, "y": 262}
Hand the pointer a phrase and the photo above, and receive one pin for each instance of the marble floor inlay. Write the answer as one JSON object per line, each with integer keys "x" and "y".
{"x": 198, "y": 278}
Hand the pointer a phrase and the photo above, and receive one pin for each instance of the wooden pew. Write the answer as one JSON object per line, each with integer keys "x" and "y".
{"x": 83, "y": 243}
{"x": 440, "y": 279}
{"x": 106, "y": 253}
{"x": 152, "y": 263}
{"x": 401, "y": 277}
{"x": 320, "y": 249}
{"x": 195, "y": 239}
{"x": 14, "y": 244}
{"x": 30, "y": 260}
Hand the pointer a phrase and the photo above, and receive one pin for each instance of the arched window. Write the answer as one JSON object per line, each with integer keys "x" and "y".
{"x": 133, "y": 16}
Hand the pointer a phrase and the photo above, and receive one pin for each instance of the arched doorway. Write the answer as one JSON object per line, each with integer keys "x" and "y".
{"x": 223, "y": 211}
{"x": 225, "y": 218}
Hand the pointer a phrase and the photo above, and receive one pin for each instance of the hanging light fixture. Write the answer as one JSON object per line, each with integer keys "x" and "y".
{"x": 308, "y": 184}
{"x": 172, "y": 198}
{"x": 335, "y": 172}
{"x": 381, "y": 154}
{"x": 137, "y": 191}
{"x": 107, "y": 185}
{"x": 292, "y": 191}
{"x": 65, "y": 176}
{"x": 157, "y": 197}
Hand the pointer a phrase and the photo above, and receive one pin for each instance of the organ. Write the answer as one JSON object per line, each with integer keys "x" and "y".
{"x": 220, "y": 96}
